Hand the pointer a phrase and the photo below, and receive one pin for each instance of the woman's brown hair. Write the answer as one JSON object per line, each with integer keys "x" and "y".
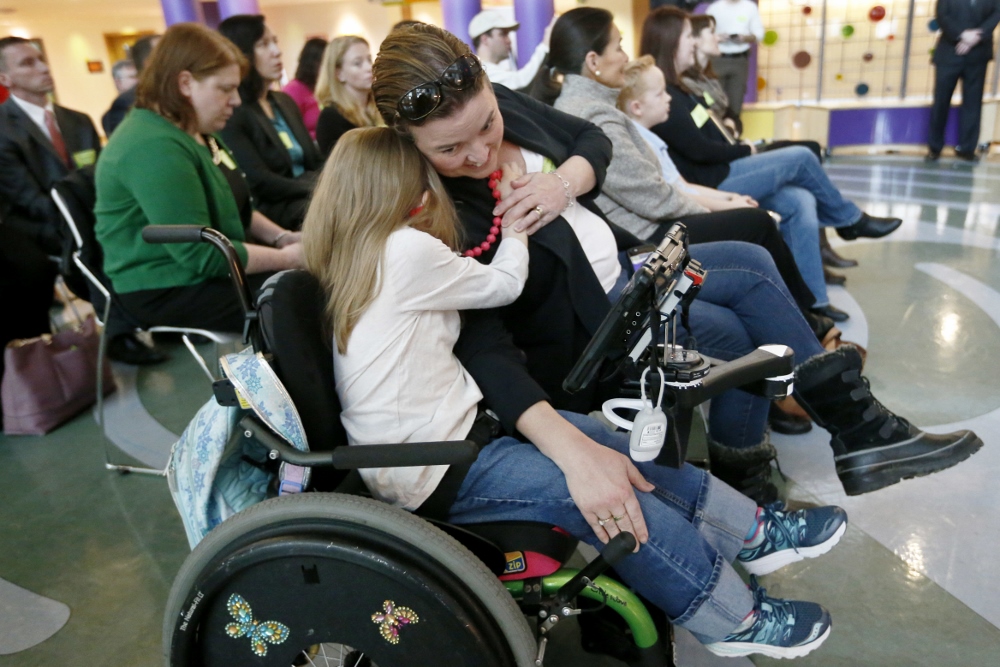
{"x": 371, "y": 186}
{"x": 700, "y": 22}
{"x": 661, "y": 35}
{"x": 411, "y": 56}
{"x": 184, "y": 47}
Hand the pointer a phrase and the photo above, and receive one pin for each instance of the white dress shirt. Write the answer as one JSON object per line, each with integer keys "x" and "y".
{"x": 36, "y": 114}
{"x": 736, "y": 18}
{"x": 507, "y": 74}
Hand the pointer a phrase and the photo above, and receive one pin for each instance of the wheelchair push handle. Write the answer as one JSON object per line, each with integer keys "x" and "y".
{"x": 173, "y": 233}
{"x": 197, "y": 234}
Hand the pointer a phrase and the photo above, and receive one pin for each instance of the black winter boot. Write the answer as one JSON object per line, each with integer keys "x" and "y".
{"x": 873, "y": 448}
{"x": 748, "y": 470}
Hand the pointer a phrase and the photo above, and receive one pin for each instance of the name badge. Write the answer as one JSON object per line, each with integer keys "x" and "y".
{"x": 285, "y": 139}
{"x": 699, "y": 115}
{"x": 85, "y": 158}
{"x": 226, "y": 159}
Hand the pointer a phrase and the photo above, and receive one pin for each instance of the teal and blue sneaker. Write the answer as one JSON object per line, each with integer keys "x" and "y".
{"x": 776, "y": 628}
{"x": 784, "y": 537}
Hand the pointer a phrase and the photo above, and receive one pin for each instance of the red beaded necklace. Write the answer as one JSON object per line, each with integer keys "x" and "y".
{"x": 495, "y": 229}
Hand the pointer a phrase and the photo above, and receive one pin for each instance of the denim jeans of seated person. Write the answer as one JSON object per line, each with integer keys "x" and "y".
{"x": 742, "y": 305}
{"x": 791, "y": 181}
{"x": 696, "y": 525}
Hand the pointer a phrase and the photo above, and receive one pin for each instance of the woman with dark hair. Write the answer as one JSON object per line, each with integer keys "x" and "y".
{"x": 345, "y": 90}
{"x": 789, "y": 180}
{"x": 567, "y": 470}
{"x": 302, "y": 87}
{"x": 165, "y": 165}
{"x": 430, "y": 88}
{"x": 266, "y": 133}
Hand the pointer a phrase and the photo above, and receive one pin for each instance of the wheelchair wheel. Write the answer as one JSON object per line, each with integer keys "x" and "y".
{"x": 299, "y": 577}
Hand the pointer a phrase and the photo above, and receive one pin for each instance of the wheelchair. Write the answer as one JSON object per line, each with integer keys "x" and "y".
{"x": 331, "y": 577}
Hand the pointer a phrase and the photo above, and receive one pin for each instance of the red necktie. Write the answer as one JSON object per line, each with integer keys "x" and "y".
{"x": 56, "y": 136}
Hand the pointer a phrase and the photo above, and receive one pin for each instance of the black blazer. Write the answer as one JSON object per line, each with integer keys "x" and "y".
{"x": 330, "y": 127}
{"x": 114, "y": 116}
{"x": 29, "y": 165}
{"x": 252, "y": 138}
{"x": 521, "y": 353}
{"x": 702, "y": 155}
{"x": 954, "y": 16}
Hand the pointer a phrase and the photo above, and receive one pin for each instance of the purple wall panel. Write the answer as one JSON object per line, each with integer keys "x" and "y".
{"x": 534, "y": 17}
{"x": 897, "y": 125}
{"x": 457, "y": 14}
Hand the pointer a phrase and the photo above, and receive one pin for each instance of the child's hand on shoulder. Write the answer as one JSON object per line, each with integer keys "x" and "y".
{"x": 511, "y": 172}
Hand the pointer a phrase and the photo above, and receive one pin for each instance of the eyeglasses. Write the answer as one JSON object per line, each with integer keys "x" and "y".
{"x": 421, "y": 101}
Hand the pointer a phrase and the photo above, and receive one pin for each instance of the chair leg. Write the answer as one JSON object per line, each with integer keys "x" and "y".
{"x": 200, "y": 359}
{"x": 108, "y": 464}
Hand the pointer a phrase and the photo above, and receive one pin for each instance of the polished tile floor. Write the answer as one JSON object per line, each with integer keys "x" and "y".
{"x": 916, "y": 580}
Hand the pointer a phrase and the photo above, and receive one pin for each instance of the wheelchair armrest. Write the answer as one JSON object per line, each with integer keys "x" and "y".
{"x": 365, "y": 456}
{"x": 767, "y": 371}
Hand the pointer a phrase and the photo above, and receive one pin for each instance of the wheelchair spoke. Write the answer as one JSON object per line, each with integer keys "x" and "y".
{"x": 334, "y": 655}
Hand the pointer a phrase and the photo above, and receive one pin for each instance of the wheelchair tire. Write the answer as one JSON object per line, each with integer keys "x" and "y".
{"x": 264, "y": 552}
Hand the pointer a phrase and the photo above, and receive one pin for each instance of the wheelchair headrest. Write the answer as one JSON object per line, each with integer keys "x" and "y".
{"x": 290, "y": 308}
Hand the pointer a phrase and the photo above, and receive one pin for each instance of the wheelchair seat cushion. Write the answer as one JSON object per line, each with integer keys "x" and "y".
{"x": 291, "y": 313}
{"x": 531, "y": 549}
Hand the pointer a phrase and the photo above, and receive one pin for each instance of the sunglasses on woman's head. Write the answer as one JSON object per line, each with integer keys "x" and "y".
{"x": 420, "y": 101}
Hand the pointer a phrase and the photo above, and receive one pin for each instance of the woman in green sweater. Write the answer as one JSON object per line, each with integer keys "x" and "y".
{"x": 164, "y": 166}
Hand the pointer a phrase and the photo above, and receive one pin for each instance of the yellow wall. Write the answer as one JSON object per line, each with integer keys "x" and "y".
{"x": 71, "y": 38}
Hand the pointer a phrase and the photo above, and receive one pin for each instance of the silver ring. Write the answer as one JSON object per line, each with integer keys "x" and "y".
{"x": 601, "y": 522}
{"x": 540, "y": 211}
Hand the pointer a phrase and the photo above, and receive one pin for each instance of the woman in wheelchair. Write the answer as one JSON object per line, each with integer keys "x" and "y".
{"x": 433, "y": 91}
{"x": 383, "y": 239}
{"x": 167, "y": 166}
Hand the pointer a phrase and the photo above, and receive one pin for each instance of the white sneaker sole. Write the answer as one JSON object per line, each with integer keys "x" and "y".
{"x": 739, "y": 649}
{"x": 780, "y": 559}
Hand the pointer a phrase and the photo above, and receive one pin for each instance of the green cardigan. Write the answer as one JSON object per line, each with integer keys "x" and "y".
{"x": 153, "y": 173}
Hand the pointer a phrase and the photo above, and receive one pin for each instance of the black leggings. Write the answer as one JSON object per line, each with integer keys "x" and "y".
{"x": 211, "y": 305}
{"x": 751, "y": 225}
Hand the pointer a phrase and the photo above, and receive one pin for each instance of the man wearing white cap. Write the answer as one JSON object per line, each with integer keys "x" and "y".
{"x": 490, "y": 33}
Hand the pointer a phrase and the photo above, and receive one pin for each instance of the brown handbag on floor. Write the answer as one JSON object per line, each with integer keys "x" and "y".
{"x": 50, "y": 379}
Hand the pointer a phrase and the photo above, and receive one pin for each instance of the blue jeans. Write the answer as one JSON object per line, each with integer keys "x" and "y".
{"x": 696, "y": 525}
{"x": 744, "y": 304}
{"x": 791, "y": 181}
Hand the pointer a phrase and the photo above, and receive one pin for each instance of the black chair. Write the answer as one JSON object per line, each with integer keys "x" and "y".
{"x": 82, "y": 267}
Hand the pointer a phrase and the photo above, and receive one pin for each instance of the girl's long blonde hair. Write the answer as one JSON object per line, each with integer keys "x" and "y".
{"x": 369, "y": 188}
{"x": 331, "y": 91}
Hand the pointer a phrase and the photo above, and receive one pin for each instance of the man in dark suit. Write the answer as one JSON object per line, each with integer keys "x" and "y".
{"x": 962, "y": 52}
{"x": 41, "y": 143}
{"x": 140, "y": 53}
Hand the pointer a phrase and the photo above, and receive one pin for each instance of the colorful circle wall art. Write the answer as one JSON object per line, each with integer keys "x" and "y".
{"x": 761, "y": 83}
{"x": 868, "y": 57}
{"x": 801, "y": 60}
{"x": 846, "y": 31}
{"x": 876, "y": 13}
{"x": 807, "y": 10}
{"x": 861, "y": 89}
{"x": 933, "y": 25}
{"x": 770, "y": 37}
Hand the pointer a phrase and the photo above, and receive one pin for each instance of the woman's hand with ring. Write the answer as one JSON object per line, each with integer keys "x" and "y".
{"x": 531, "y": 192}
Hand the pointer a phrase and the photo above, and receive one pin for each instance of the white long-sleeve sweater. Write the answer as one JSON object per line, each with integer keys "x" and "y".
{"x": 399, "y": 380}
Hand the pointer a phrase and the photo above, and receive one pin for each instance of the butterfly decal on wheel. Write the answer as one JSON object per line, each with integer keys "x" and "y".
{"x": 261, "y": 633}
{"x": 392, "y": 619}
